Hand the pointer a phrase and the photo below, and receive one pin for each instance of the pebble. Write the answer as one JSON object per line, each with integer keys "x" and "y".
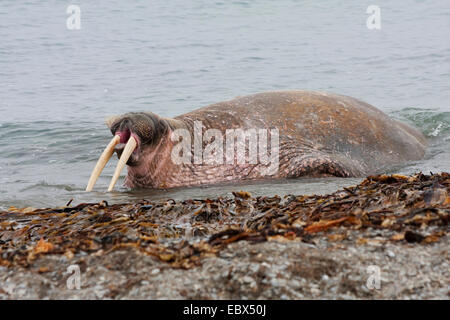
{"x": 155, "y": 271}
{"x": 315, "y": 291}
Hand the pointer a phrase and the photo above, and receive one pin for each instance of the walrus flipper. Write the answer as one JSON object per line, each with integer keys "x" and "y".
{"x": 320, "y": 164}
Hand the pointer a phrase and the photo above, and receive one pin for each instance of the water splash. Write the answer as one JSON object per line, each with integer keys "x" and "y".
{"x": 433, "y": 123}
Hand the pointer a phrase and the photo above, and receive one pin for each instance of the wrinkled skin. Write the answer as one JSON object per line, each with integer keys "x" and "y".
{"x": 320, "y": 134}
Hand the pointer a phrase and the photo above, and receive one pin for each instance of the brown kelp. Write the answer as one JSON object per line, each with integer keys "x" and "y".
{"x": 411, "y": 208}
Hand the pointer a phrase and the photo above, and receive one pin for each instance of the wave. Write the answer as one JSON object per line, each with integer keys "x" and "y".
{"x": 432, "y": 122}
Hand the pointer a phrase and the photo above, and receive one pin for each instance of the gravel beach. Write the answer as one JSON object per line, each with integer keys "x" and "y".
{"x": 363, "y": 242}
{"x": 270, "y": 270}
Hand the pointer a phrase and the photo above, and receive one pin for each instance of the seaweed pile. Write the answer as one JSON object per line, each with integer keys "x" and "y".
{"x": 410, "y": 208}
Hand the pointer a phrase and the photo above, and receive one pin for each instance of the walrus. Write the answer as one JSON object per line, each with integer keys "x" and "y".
{"x": 303, "y": 133}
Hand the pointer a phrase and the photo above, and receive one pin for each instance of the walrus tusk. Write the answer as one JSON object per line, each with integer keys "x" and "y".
{"x": 126, "y": 154}
{"x": 102, "y": 161}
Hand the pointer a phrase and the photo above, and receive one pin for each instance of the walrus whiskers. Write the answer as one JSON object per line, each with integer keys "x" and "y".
{"x": 102, "y": 161}
{"x": 126, "y": 154}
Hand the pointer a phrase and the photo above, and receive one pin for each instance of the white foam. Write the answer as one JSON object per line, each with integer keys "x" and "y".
{"x": 436, "y": 131}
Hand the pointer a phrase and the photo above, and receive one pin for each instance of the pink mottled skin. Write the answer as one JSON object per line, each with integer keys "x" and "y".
{"x": 320, "y": 134}
{"x": 154, "y": 169}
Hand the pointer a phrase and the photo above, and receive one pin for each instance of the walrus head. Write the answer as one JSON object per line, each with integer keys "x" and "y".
{"x": 145, "y": 127}
{"x": 134, "y": 133}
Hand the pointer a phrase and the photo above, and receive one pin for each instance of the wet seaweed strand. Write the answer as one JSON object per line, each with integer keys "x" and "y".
{"x": 182, "y": 232}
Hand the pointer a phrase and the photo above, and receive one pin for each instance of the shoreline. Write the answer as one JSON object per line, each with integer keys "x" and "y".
{"x": 245, "y": 247}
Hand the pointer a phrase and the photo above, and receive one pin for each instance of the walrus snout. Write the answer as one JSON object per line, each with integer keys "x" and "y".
{"x": 123, "y": 130}
{"x": 128, "y": 133}
{"x": 134, "y": 157}
{"x": 124, "y": 134}
{"x": 132, "y": 133}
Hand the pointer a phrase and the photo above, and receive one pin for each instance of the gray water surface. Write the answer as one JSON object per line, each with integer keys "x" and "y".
{"x": 57, "y": 85}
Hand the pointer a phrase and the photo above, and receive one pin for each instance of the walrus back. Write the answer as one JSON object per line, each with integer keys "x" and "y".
{"x": 336, "y": 125}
